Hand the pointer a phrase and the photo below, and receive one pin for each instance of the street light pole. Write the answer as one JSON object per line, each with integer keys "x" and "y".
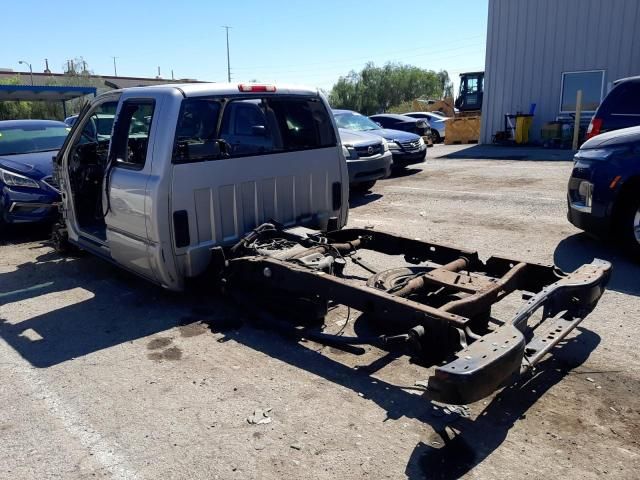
{"x": 22, "y": 62}
{"x": 115, "y": 71}
{"x": 226, "y": 27}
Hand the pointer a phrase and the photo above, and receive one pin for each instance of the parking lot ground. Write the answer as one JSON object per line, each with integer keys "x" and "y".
{"x": 106, "y": 376}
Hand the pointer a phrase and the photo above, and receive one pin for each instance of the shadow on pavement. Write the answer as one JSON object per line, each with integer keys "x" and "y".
{"x": 458, "y": 447}
{"x": 23, "y": 233}
{"x": 360, "y": 199}
{"x": 102, "y": 307}
{"x": 574, "y": 251}
{"x": 403, "y": 172}
{"x": 509, "y": 152}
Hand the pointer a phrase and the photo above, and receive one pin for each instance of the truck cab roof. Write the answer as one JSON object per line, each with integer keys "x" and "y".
{"x": 226, "y": 89}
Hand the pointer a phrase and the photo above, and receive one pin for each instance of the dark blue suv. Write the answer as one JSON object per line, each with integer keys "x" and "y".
{"x": 604, "y": 189}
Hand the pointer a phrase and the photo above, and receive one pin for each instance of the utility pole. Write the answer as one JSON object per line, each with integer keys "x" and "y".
{"x": 226, "y": 27}
{"x": 22, "y": 62}
{"x": 115, "y": 71}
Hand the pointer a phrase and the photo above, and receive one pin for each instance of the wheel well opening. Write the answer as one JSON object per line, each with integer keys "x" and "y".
{"x": 627, "y": 191}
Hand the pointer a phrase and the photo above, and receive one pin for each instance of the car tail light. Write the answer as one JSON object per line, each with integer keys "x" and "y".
{"x": 256, "y": 88}
{"x": 595, "y": 127}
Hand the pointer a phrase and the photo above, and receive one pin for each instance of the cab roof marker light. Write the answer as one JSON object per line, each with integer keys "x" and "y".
{"x": 256, "y": 88}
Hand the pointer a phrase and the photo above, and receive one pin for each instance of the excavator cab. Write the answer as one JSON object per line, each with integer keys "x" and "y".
{"x": 471, "y": 91}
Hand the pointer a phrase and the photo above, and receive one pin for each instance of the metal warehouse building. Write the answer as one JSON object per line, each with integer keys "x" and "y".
{"x": 544, "y": 51}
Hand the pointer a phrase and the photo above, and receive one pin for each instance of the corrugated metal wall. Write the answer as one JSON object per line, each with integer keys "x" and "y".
{"x": 531, "y": 42}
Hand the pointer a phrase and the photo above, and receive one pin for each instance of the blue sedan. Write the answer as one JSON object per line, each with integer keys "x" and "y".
{"x": 27, "y": 190}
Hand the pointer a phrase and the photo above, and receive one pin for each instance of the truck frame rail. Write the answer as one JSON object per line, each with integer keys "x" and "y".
{"x": 439, "y": 303}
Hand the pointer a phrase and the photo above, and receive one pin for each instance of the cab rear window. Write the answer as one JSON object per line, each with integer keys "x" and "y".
{"x": 210, "y": 129}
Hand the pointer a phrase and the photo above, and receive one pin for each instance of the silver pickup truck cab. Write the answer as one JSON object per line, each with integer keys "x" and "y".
{"x": 152, "y": 178}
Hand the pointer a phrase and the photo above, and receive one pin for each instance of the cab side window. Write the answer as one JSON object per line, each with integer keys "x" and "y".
{"x": 131, "y": 133}
{"x": 196, "y": 136}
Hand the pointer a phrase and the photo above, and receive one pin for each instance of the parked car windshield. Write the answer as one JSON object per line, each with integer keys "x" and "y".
{"x": 357, "y": 122}
{"x": 31, "y": 139}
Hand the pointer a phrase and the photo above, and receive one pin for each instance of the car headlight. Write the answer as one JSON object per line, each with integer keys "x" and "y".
{"x": 392, "y": 145}
{"x": 17, "y": 180}
{"x": 421, "y": 142}
{"x": 585, "y": 190}
{"x": 349, "y": 152}
{"x": 600, "y": 153}
{"x": 385, "y": 146}
{"x": 584, "y": 198}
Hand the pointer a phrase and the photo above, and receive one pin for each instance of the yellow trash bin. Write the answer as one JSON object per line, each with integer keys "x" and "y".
{"x": 523, "y": 124}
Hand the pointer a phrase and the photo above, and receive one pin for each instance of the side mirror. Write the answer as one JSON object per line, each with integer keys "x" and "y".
{"x": 379, "y": 124}
{"x": 259, "y": 131}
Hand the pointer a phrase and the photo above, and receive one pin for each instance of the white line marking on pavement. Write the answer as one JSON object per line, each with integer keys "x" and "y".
{"x": 468, "y": 192}
{"x": 103, "y": 450}
{"x": 27, "y": 289}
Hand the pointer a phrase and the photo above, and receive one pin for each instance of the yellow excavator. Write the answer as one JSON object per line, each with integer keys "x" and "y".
{"x": 468, "y": 103}
{"x": 471, "y": 91}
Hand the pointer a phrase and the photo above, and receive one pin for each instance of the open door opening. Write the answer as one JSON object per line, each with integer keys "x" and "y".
{"x": 87, "y": 164}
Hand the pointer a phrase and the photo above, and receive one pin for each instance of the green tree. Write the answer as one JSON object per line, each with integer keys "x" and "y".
{"x": 446, "y": 83}
{"x": 378, "y": 89}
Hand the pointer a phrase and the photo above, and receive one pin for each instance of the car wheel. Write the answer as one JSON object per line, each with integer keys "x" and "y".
{"x": 630, "y": 226}
{"x": 435, "y": 136}
{"x": 363, "y": 186}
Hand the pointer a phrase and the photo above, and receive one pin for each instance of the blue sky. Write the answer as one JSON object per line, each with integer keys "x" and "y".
{"x": 271, "y": 41}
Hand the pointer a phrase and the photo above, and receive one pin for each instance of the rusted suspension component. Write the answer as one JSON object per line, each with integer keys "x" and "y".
{"x": 330, "y": 248}
{"x": 482, "y": 300}
{"x": 418, "y": 283}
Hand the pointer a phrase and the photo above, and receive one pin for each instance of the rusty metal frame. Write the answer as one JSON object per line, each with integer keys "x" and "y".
{"x": 478, "y": 363}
